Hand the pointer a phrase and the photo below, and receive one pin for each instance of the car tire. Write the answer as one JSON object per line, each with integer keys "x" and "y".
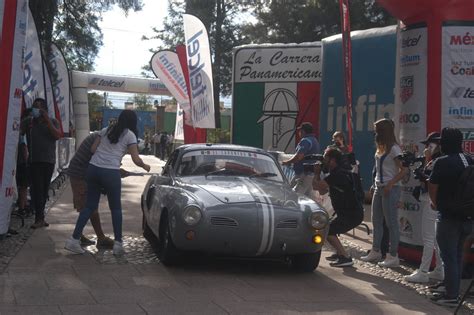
{"x": 167, "y": 252}
{"x": 306, "y": 262}
{"x": 148, "y": 233}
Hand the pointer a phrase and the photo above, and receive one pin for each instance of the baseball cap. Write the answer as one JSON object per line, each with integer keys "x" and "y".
{"x": 306, "y": 127}
{"x": 433, "y": 137}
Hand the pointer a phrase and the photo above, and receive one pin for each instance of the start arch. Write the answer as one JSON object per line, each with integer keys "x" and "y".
{"x": 81, "y": 82}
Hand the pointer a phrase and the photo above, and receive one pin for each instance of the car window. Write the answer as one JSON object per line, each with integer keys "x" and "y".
{"x": 171, "y": 162}
{"x": 230, "y": 162}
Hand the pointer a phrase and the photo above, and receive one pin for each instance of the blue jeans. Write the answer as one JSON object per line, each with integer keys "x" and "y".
{"x": 386, "y": 206}
{"x": 451, "y": 234}
{"x": 99, "y": 179}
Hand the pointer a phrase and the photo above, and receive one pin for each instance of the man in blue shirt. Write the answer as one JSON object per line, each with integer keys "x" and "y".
{"x": 303, "y": 180}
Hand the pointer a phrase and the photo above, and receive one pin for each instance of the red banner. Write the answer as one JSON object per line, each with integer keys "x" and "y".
{"x": 347, "y": 64}
{"x": 191, "y": 134}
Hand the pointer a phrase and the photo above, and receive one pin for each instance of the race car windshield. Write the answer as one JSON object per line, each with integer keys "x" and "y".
{"x": 228, "y": 163}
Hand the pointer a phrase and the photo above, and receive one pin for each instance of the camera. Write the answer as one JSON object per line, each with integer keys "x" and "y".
{"x": 409, "y": 159}
{"x": 311, "y": 160}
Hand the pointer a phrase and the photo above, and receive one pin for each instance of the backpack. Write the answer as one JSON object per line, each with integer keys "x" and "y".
{"x": 462, "y": 204}
{"x": 359, "y": 193}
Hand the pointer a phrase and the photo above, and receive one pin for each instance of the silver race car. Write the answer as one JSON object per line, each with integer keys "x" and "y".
{"x": 230, "y": 200}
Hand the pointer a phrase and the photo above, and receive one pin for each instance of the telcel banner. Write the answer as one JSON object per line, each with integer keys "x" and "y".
{"x": 410, "y": 119}
{"x": 13, "y": 17}
{"x": 200, "y": 72}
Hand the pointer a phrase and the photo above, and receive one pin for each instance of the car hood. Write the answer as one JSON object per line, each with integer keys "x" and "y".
{"x": 243, "y": 189}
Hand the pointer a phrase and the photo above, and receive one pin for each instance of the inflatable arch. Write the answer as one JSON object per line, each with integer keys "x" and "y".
{"x": 82, "y": 82}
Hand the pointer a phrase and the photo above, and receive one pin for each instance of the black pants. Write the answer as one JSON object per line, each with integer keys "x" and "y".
{"x": 40, "y": 176}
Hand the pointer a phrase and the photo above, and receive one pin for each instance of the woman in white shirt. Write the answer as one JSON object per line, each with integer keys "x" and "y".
{"x": 389, "y": 172}
{"x": 103, "y": 173}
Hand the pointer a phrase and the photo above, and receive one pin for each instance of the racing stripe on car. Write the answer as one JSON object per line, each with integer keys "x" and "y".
{"x": 268, "y": 220}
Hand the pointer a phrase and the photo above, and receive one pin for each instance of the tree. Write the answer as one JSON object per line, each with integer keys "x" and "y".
{"x": 73, "y": 26}
{"x": 96, "y": 104}
{"x": 306, "y": 21}
{"x": 143, "y": 102}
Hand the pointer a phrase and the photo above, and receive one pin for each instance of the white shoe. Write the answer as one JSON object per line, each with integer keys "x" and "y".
{"x": 118, "y": 249}
{"x": 418, "y": 277}
{"x": 390, "y": 261}
{"x": 74, "y": 246}
{"x": 437, "y": 274}
{"x": 373, "y": 256}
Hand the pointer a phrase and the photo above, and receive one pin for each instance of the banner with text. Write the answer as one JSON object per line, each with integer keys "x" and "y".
{"x": 458, "y": 80}
{"x": 410, "y": 119}
{"x": 33, "y": 78}
{"x": 61, "y": 89}
{"x": 12, "y": 45}
{"x": 275, "y": 88}
{"x": 200, "y": 72}
{"x": 179, "y": 128}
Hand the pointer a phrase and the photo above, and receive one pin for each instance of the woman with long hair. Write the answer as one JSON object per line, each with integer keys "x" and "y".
{"x": 103, "y": 173}
{"x": 389, "y": 172}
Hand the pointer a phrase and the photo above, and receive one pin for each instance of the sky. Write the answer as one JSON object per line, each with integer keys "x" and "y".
{"x": 123, "y": 52}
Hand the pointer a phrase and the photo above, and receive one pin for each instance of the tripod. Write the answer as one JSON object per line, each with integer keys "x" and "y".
{"x": 464, "y": 296}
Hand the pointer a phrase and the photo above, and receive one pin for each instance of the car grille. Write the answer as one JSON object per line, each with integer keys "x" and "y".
{"x": 287, "y": 224}
{"x": 223, "y": 221}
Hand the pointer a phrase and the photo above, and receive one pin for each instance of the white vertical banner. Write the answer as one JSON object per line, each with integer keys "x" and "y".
{"x": 49, "y": 93}
{"x": 200, "y": 72}
{"x": 61, "y": 89}
{"x": 12, "y": 45}
{"x": 179, "y": 127}
{"x": 166, "y": 67}
{"x": 410, "y": 119}
{"x": 33, "y": 79}
{"x": 457, "y": 109}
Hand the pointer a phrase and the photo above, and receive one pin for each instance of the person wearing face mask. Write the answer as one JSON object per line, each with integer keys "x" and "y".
{"x": 422, "y": 275}
{"x": 339, "y": 141}
{"x": 41, "y": 132}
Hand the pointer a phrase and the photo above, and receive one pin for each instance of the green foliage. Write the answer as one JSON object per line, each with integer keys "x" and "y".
{"x": 309, "y": 20}
{"x": 218, "y": 136}
{"x": 96, "y": 104}
{"x": 143, "y": 102}
{"x": 73, "y": 26}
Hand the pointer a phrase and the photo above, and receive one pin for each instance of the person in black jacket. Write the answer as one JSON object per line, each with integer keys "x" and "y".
{"x": 451, "y": 230}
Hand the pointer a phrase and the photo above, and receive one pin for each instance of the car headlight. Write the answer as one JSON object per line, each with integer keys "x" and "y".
{"x": 192, "y": 215}
{"x": 318, "y": 220}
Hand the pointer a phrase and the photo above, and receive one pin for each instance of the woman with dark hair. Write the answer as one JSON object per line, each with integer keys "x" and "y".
{"x": 389, "y": 172}
{"x": 103, "y": 173}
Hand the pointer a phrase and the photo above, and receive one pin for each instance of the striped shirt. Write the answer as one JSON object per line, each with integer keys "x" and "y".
{"x": 80, "y": 160}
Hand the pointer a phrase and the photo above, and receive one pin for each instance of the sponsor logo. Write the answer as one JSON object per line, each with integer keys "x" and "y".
{"x": 106, "y": 83}
{"x": 156, "y": 86}
{"x": 462, "y": 40}
{"x": 462, "y": 112}
{"x": 406, "y": 88}
{"x": 410, "y": 41}
{"x": 458, "y": 70}
{"x": 406, "y": 118}
{"x": 406, "y": 229}
{"x": 410, "y": 60}
{"x": 462, "y": 92}
{"x": 409, "y": 206}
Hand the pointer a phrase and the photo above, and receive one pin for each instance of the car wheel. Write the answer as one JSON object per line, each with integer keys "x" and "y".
{"x": 306, "y": 262}
{"x": 167, "y": 252}
{"x": 148, "y": 233}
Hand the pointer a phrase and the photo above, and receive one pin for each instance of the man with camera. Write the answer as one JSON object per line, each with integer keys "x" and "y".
{"x": 346, "y": 193}
{"x": 308, "y": 145}
{"x": 453, "y": 227}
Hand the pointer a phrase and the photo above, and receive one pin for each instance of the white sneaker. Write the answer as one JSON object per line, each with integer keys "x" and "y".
{"x": 390, "y": 261}
{"x": 437, "y": 274}
{"x": 118, "y": 249}
{"x": 418, "y": 277}
{"x": 74, "y": 246}
{"x": 373, "y": 256}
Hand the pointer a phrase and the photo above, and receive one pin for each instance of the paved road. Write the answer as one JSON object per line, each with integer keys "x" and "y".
{"x": 45, "y": 279}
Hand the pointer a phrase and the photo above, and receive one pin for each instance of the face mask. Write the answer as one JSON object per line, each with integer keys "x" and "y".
{"x": 35, "y": 112}
{"x": 432, "y": 147}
